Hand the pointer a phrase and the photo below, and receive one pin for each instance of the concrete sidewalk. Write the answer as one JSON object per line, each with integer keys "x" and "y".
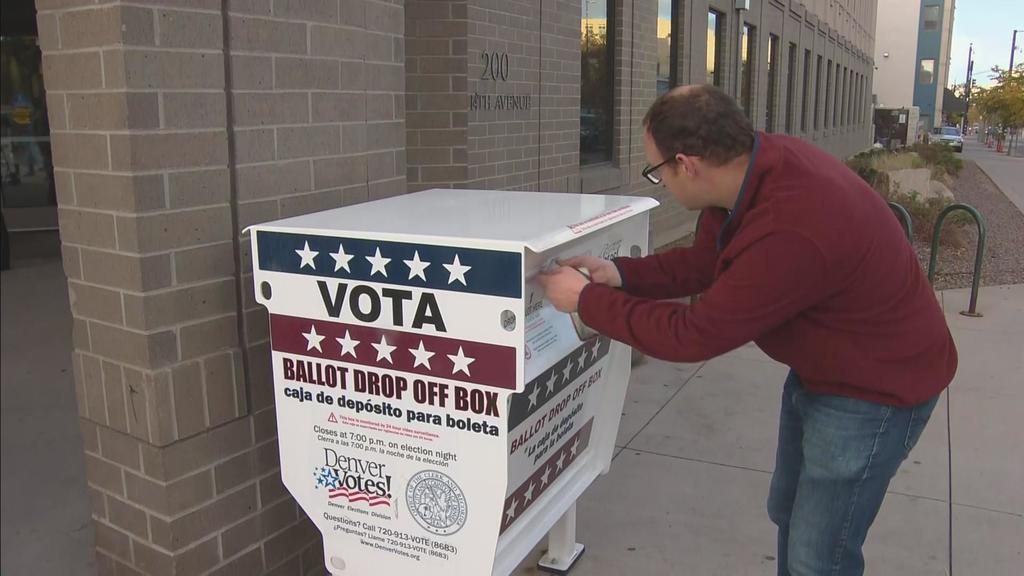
{"x": 686, "y": 493}
{"x": 1007, "y": 172}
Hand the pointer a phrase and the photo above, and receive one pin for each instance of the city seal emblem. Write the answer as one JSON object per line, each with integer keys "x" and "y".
{"x": 436, "y": 502}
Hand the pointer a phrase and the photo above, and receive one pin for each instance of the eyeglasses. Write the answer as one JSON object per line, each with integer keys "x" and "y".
{"x": 652, "y": 173}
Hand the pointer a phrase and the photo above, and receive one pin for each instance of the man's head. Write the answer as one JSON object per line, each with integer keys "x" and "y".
{"x": 697, "y": 137}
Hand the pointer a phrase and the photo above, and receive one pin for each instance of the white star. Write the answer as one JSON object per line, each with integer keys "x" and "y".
{"x": 547, "y": 385}
{"x": 560, "y": 462}
{"x": 307, "y": 256}
{"x": 416, "y": 266}
{"x": 511, "y": 512}
{"x": 422, "y": 356}
{"x": 533, "y": 396}
{"x": 313, "y": 339}
{"x": 461, "y": 362}
{"x": 575, "y": 446}
{"x": 592, "y": 351}
{"x": 348, "y": 345}
{"x": 457, "y": 271}
{"x": 379, "y": 263}
{"x": 544, "y": 477}
{"x": 528, "y": 495}
{"x": 341, "y": 259}
{"x": 384, "y": 349}
{"x": 567, "y": 373}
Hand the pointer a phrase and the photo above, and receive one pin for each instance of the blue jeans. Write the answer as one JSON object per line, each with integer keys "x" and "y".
{"x": 835, "y": 458}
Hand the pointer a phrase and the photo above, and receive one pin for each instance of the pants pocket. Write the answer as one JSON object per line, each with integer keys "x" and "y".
{"x": 918, "y": 419}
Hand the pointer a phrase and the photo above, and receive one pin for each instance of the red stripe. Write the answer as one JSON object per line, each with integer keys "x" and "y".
{"x": 492, "y": 365}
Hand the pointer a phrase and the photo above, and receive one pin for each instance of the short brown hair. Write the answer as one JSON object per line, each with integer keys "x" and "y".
{"x": 699, "y": 121}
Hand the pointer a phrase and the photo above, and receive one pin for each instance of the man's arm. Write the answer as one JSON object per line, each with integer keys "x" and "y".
{"x": 766, "y": 285}
{"x": 673, "y": 274}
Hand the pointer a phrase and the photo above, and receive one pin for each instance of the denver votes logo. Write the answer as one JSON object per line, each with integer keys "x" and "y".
{"x": 436, "y": 502}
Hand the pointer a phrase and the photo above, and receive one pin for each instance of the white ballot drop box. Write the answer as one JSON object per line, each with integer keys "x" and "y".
{"x": 435, "y": 414}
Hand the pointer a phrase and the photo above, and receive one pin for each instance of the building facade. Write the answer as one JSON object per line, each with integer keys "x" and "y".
{"x": 175, "y": 125}
{"x": 912, "y": 56}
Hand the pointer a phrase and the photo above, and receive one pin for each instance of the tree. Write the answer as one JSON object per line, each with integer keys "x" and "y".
{"x": 1002, "y": 104}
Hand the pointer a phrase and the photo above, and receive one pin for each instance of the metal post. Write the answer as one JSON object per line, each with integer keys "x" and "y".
{"x": 1013, "y": 50}
{"x": 967, "y": 89}
{"x": 979, "y": 253}
{"x": 563, "y": 549}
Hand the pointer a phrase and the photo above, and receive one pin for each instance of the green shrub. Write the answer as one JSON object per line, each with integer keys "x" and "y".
{"x": 940, "y": 158}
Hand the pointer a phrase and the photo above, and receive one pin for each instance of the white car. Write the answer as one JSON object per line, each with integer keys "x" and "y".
{"x": 950, "y": 136}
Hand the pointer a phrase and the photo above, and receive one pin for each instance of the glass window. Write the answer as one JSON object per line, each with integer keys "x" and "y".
{"x": 926, "y": 72}
{"x": 828, "y": 94}
{"x": 667, "y": 30}
{"x": 790, "y": 87}
{"x": 716, "y": 24}
{"x": 747, "y": 48}
{"x": 932, "y": 16}
{"x": 836, "y": 94}
{"x": 596, "y": 82}
{"x": 773, "y": 64}
{"x": 846, "y": 94}
{"x": 804, "y": 109}
{"x": 817, "y": 94}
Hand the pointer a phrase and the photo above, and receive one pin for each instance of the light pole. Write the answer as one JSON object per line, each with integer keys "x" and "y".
{"x": 967, "y": 89}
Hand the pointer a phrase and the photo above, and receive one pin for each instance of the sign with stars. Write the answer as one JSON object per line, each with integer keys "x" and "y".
{"x": 431, "y": 406}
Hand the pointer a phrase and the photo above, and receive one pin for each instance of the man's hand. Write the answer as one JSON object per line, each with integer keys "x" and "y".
{"x": 562, "y": 287}
{"x": 601, "y": 271}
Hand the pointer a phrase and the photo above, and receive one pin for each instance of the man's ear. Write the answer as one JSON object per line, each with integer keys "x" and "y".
{"x": 686, "y": 164}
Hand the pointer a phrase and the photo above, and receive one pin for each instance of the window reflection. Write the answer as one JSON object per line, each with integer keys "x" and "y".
{"x": 596, "y": 82}
{"x": 665, "y": 74}
{"x": 716, "y": 22}
{"x": 26, "y": 166}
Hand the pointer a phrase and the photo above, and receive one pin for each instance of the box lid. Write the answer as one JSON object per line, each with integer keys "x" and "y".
{"x": 538, "y": 220}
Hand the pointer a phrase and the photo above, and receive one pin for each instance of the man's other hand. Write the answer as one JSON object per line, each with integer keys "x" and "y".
{"x": 601, "y": 271}
{"x": 562, "y": 287}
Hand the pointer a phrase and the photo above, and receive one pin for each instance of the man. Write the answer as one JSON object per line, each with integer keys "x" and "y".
{"x": 798, "y": 254}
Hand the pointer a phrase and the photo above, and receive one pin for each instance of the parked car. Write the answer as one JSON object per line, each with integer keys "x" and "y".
{"x": 950, "y": 136}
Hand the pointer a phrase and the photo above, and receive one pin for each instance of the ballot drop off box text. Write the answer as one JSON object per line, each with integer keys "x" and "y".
{"x": 435, "y": 414}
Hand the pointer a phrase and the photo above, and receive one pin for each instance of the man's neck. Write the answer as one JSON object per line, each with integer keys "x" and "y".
{"x": 727, "y": 181}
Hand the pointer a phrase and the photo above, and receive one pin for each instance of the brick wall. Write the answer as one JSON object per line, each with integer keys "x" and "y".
{"x": 163, "y": 152}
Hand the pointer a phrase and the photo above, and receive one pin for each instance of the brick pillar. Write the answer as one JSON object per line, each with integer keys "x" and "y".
{"x": 155, "y": 182}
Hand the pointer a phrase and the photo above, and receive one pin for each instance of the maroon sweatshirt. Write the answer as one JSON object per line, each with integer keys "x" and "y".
{"x": 812, "y": 265}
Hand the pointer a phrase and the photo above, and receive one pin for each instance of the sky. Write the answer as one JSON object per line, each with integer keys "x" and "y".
{"x": 989, "y": 24}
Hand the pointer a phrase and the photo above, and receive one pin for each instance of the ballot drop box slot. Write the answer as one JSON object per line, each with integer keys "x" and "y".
{"x": 436, "y": 415}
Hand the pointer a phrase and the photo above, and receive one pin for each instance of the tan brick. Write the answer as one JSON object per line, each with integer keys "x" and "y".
{"x": 308, "y": 141}
{"x": 250, "y": 562}
{"x": 74, "y": 71}
{"x": 381, "y": 165}
{"x": 152, "y": 560}
{"x": 261, "y": 380}
{"x": 96, "y": 303}
{"x": 154, "y": 350}
{"x": 189, "y": 403}
{"x": 380, "y": 109}
{"x": 97, "y": 503}
{"x": 255, "y": 145}
{"x": 139, "y": 69}
{"x": 80, "y": 151}
{"x": 353, "y": 75}
{"x": 325, "y": 11}
{"x": 193, "y": 30}
{"x": 259, "y": 35}
{"x": 198, "y": 188}
{"x": 117, "y": 406}
{"x": 194, "y": 110}
{"x": 257, "y": 322}
{"x": 269, "y": 521}
{"x": 385, "y": 77}
{"x": 235, "y": 472}
{"x": 421, "y": 120}
{"x": 90, "y": 436}
{"x": 160, "y": 406}
{"x": 209, "y": 336}
{"x": 385, "y": 135}
{"x": 250, "y": 72}
{"x": 71, "y": 257}
{"x": 119, "y": 448}
{"x": 138, "y": 416}
{"x": 250, "y": 213}
{"x": 80, "y": 335}
{"x": 256, "y": 7}
{"x": 168, "y": 150}
{"x": 49, "y": 34}
{"x": 200, "y": 451}
{"x": 268, "y": 108}
{"x": 270, "y": 180}
{"x": 130, "y": 272}
{"x": 387, "y": 188}
{"x": 280, "y": 546}
{"x": 442, "y": 173}
{"x": 113, "y": 541}
{"x": 342, "y": 171}
{"x": 199, "y": 558}
{"x": 272, "y": 490}
{"x": 306, "y": 74}
{"x": 171, "y": 230}
{"x": 290, "y": 566}
{"x": 339, "y": 107}
{"x": 171, "y": 498}
{"x": 104, "y": 475}
{"x": 120, "y": 192}
{"x": 222, "y": 387}
{"x": 56, "y": 113}
{"x": 353, "y": 139}
{"x": 92, "y": 382}
{"x": 353, "y": 13}
{"x": 335, "y": 42}
{"x": 294, "y": 206}
{"x": 168, "y": 307}
{"x": 106, "y": 26}
{"x": 210, "y": 518}
{"x": 204, "y": 263}
{"x": 381, "y": 17}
